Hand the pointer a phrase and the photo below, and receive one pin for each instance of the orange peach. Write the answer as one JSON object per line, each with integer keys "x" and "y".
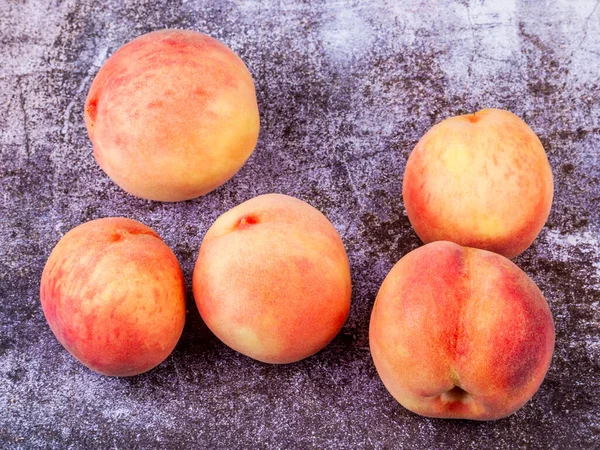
{"x": 272, "y": 279}
{"x": 460, "y": 333}
{"x": 114, "y": 296}
{"x": 481, "y": 180}
{"x": 172, "y": 115}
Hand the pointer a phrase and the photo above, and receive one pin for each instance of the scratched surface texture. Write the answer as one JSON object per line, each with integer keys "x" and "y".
{"x": 345, "y": 89}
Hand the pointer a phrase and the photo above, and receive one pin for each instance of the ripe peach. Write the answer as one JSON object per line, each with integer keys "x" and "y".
{"x": 460, "y": 333}
{"x": 272, "y": 279}
{"x": 114, "y": 296}
{"x": 481, "y": 180}
{"x": 172, "y": 115}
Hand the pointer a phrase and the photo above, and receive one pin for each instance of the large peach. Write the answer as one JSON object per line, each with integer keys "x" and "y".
{"x": 114, "y": 296}
{"x": 172, "y": 115}
{"x": 460, "y": 333}
{"x": 481, "y": 180}
{"x": 272, "y": 279}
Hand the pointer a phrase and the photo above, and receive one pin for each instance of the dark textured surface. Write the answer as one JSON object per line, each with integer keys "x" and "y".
{"x": 345, "y": 91}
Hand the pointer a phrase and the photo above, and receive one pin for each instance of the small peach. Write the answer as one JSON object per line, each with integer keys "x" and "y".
{"x": 114, "y": 296}
{"x": 272, "y": 279}
{"x": 172, "y": 115}
{"x": 480, "y": 180}
{"x": 460, "y": 333}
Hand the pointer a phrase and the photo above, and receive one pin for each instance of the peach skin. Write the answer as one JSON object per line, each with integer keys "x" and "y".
{"x": 114, "y": 296}
{"x": 272, "y": 279}
{"x": 172, "y": 115}
{"x": 460, "y": 333}
{"x": 480, "y": 180}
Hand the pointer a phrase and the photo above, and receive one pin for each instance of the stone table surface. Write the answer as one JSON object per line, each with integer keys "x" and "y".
{"x": 345, "y": 89}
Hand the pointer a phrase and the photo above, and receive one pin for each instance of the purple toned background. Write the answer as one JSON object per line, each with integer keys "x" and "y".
{"x": 345, "y": 89}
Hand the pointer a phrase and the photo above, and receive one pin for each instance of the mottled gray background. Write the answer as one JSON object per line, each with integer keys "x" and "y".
{"x": 345, "y": 91}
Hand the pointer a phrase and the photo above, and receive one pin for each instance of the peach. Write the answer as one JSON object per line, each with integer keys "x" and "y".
{"x": 114, "y": 296}
{"x": 460, "y": 333}
{"x": 172, "y": 115}
{"x": 480, "y": 180}
{"x": 272, "y": 279}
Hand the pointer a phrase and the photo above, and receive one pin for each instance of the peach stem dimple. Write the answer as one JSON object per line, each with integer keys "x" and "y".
{"x": 456, "y": 394}
{"x": 245, "y": 221}
{"x": 92, "y": 110}
{"x": 473, "y": 117}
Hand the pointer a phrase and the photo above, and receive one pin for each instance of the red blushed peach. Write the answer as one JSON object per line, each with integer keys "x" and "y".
{"x": 460, "y": 333}
{"x": 481, "y": 180}
{"x": 172, "y": 115}
{"x": 272, "y": 279}
{"x": 114, "y": 296}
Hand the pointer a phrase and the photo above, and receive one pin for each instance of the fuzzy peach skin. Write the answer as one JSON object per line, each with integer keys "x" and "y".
{"x": 172, "y": 115}
{"x": 481, "y": 180}
{"x": 272, "y": 279}
{"x": 114, "y": 296}
{"x": 460, "y": 333}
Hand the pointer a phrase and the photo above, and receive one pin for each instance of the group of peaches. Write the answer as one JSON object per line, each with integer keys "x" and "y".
{"x": 457, "y": 330}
